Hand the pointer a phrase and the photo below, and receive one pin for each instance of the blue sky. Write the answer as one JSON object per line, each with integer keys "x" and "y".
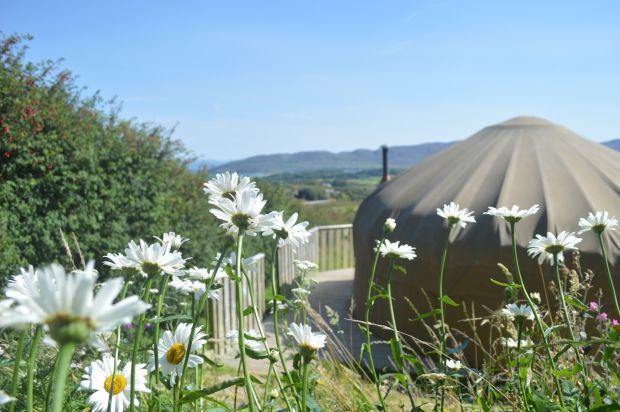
{"x": 243, "y": 78}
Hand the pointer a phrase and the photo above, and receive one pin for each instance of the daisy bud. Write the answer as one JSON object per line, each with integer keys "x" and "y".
{"x": 389, "y": 225}
{"x": 274, "y": 355}
{"x": 64, "y": 329}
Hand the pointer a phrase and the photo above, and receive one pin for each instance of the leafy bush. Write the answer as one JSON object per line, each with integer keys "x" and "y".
{"x": 68, "y": 162}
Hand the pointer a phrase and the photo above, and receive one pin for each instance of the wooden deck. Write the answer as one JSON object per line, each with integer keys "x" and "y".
{"x": 334, "y": 289}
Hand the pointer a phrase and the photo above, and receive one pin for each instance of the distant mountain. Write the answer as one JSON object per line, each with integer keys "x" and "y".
{"x": 614, "y": 144}
{"x": 209, "y": 163}
{"x": 399, "y": 157}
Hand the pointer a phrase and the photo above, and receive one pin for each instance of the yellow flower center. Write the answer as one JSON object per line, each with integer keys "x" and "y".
{"x": 119, "y": 384}
{"x": 176, "y": 353}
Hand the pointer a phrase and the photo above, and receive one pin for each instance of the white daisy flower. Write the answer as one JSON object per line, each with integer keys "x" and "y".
{"x": 175, "y": 240}
{"x": 305, "y": 265}
{"x": 455, "y": 215}
{"x": 307, "y": 340}
{"x": 300, "y": 291}
{"x": 171, "y": 350}
{"x": 395, "y": 250}
{"x": 66, "y": 304}
{"x": 248, "y": 263}
{"x": 253, "y": 344}
{"x": 389, "y": 225}
{"x": 598, "y": 222}
{"x": 512, "y": 215}
{"x": 225, "y": 185}
{"x": 118, "y": 261}
{"x": 280, "y": 305}
{"x": 513, "y": 343}
{"x": 205, "y": 274}
{"x": 454, "y": 364}
{"x": 243, "y": 211}
{"x": 155, "y": 259}
{"x": 517, "y": 312}
{"x": 98, "y": 378}
{"x": 18, "y": 285}
{"x": 187, "y": 286}
{"x": 4, "y": 398}
{"x": 535, "y": 296}
{"x": 546, "y": 247}
{"x": 289, "y": 232}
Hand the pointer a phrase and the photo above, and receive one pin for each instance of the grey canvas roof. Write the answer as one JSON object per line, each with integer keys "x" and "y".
{"x": 522, "y": 161}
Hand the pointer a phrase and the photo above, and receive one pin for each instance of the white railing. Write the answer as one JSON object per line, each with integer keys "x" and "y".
{"x": 331, "y": 247}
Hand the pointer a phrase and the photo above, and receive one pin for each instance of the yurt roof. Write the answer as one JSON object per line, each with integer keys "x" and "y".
{"x": 523, "y": 161}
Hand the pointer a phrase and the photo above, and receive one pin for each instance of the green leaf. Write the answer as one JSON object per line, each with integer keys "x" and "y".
{"x": 401, "y": 269}
{"x": 566, "y": 373}
{"x": 571, "y": 300}
{"x": 614, "y": 407}
{"x": 543, "y": 403}
{"x": 506, "y": 285}
{"x": 255, "y": 380}
{"x": 256, "y": 354}
{"x": 419, "y": 366}
{"x": 210, "y": 361}
{"x": 172, "y": 317}
{"x": 254, "y": 338}
{"x": 396, "y": 353}
{"x": 448, "y": 301}
{"x": 190, "y": 396}
{"x": 231, "y": 274}
{"x": 434, "y": 312}
{"x": 248, "y": 311}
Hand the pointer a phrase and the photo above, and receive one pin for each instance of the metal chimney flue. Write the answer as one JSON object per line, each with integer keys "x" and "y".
{"x": 386, "y": 175}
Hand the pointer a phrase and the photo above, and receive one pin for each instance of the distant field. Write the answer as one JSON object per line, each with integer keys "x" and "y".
{"x": 332, "y": 212}
{"x": 330, "y": 196}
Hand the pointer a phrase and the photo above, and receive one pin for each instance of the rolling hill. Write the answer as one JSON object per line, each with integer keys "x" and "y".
{"x": 400, "y": 157}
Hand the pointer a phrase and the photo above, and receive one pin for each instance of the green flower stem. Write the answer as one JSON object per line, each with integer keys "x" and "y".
{"x": 137, "y": 344}
{"x": 197, "y": 385}
{"x": 201, "y": 305}
{"x": 442, "y": 326}
{"x": 304, "y": 387}
{"x": 276, "y": 329}
{"x": 262, "y": 333}
{"x": 116, "y": 349}
{"x": 565, "y": 312}
{"x": 19, "y": 353}
{"x": 611, "y": 281}
{"x": 252, "y": 402}
{"x": 160, "y": 304}
{"x": 63, "y": 364}
{"x": 396, "y": 334}
{"x": 267, "y": 382}
{"x": 521, "y": 383}
{"x": 34, "y": 349}
{"x": 369, "y": 303}
{"x": 537, "y": 319}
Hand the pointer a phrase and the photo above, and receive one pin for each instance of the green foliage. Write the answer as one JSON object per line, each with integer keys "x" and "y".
{"x": 67, "y": 162}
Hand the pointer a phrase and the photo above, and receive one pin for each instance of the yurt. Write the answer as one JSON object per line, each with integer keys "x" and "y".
{"x": 522, "y": 161}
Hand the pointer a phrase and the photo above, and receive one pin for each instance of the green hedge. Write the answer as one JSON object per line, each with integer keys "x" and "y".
{"x": 69, "y": 162}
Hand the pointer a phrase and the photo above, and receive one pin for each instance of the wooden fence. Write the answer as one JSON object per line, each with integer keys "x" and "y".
{"x": 331, "y": 247}
{"x": 224, "y": 311}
